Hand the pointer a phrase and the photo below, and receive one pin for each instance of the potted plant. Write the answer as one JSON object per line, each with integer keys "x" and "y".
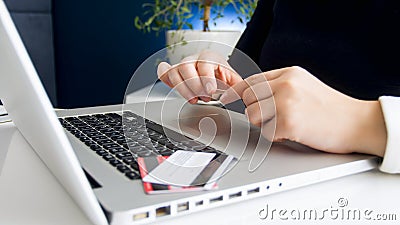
{"x": 177, "y": 17}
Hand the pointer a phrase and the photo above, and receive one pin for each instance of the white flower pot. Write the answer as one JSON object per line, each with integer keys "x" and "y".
{"x": 222, "y": 42}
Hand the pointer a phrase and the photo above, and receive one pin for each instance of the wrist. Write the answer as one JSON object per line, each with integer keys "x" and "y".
{"x": 370, "y": 130}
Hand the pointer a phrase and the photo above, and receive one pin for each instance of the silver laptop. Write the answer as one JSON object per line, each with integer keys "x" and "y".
{"x": 105, "y": 183}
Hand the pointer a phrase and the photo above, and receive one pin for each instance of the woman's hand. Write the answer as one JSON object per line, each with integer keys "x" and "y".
{"x": 196, "y": 76}
{"x": 309, "y": 112}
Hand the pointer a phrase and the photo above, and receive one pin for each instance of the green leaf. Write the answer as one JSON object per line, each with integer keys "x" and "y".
{"x": 242, "y": 10}
{"x": 188, "y": 16}
{"x": 185, "y": 9}
{"x": 137, "y": 23}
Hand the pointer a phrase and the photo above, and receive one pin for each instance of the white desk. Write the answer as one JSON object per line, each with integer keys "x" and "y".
{"x": 29, "y": 194}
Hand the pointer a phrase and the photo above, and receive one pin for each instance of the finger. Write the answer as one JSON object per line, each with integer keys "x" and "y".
{"x": 240, "y": 87}
{"x": 260, "y": 112}
{"x": 256, "y": 93}
{"x": 236, "y": 91}
{"x": 180, "y": 85}
{"x": 234, "y": 78}
{"x": 162, "y": 71}
{"x": 206, "y": 70}
{"x": 189, "y": 73}
{"x": 228, "y": 75}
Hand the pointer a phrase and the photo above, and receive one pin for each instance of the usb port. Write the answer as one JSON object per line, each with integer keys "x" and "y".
{"x": 253, "y": 191}
{"x": 235, "y": 195}
{"x": 199, "y": 203}
{"x": 218, "y": 199}
{"x": 140, "y": 216}
{"x": 183, "y": 206}
{"x": 163, "y": 211}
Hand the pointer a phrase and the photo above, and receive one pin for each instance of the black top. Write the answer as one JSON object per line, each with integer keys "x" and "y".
{"x": 353, "y": 46}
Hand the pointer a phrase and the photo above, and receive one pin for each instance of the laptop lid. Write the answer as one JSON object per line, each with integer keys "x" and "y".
{"x": 28, "y": 105}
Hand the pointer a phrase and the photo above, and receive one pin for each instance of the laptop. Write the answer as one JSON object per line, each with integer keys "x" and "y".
{"x": 104, "y": 180}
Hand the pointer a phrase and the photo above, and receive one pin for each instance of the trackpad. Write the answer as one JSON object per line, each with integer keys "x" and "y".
{"x": 209, "y": 125}
{"x": 217, "y": 130}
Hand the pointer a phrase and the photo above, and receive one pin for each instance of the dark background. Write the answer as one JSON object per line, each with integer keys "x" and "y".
{"x": 97, "y": 49}
{"x": 84, "y": 51}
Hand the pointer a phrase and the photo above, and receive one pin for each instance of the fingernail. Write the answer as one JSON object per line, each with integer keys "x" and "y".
{"x": 209, "y": 88}
{"x": 193, "y": 101}
{"x": 162, "y": 68}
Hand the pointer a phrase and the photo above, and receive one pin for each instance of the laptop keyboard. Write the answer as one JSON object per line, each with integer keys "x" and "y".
{"x": 104, "y": 134}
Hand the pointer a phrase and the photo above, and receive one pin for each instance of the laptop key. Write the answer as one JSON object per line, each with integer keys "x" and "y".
{"x": 132, "y": 175}
{"x": 105, "y": 141}
{"x": 115, "y": 162}
{"x": 123, "y": 168}
{"x": 91, "y": 132}
{"x": 115, "y": 136}
{"x": 99, "y": 137}
{"x": 77, "y": 134}
{"x": 110, "y": 145}
{"x": 123, "y": 155}
{"x": 83, "y": 138}
{"x": 116, "y": 150}
{"x": 95, "y": 147}
{"x": 108, "y": 157}
{"x": 134, "y": 165}
{"x": 129, "y": 160}
{"x": 89, "y": 142}
{"x": 101, "y": 152}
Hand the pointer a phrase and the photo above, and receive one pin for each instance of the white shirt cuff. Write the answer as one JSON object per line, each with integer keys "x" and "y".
{"x": 391, "y": 112}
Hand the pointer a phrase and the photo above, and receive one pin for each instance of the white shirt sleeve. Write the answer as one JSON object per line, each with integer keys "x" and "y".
{"x": 391, "y": 112}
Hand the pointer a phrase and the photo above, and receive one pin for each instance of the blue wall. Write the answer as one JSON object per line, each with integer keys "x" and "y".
{"x": 97, "y": 49}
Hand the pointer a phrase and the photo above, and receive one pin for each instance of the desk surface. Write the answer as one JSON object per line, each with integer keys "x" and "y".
{"x": 29, "y": 194}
